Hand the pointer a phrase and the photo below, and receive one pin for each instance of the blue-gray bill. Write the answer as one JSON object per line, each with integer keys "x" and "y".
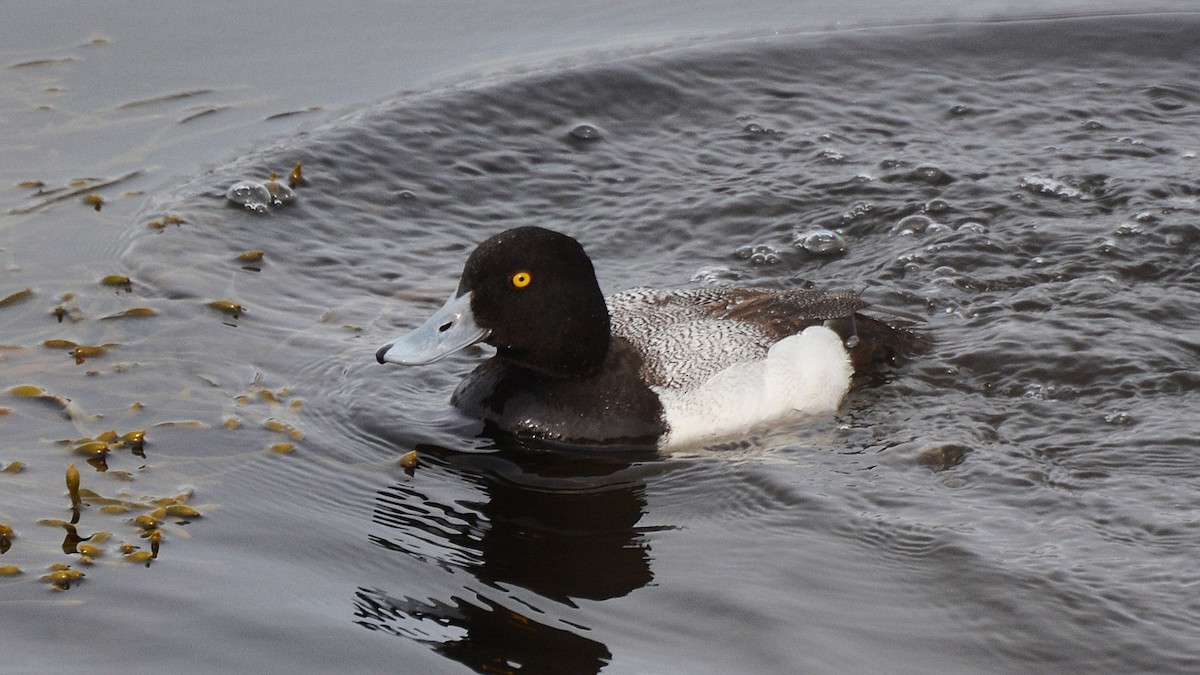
{"x": 450, "y": 329}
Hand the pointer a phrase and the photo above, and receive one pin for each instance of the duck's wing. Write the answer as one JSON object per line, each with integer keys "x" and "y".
{"x": 784, "y": 313}
{"x": 741, "y": 324}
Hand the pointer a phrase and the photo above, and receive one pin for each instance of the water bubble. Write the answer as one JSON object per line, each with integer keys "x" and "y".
{"x": 280, "y": 193}
{"x": 971, "y": 226}
{"x": 912, "y": 225}
{"x": 586, "y": 132}
{"x": 756, "y": 129}
{"x": 715, "y": 276}
{"x": 931, "y": 175}
{"x": 1118, "y": 418}
{"x": 1051, "y": 187}
{"x": 1092, "y": 125}
{"x": 821, "y": 242}
{"x": 253, "y": 196}
{"x": 832, "y": 156}
{"x": 759, "y": 254}
{"x": 960, "y": 109}
{"x": 937, "y": 206}
{"x": 857, "y": 210}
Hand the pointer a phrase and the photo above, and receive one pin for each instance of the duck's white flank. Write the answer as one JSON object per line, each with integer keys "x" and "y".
{"x": 809, "y": 373}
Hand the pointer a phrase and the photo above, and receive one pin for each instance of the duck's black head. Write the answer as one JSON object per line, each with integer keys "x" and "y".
{"x": 536, "y": 291}
{"x": 529, "y": 292}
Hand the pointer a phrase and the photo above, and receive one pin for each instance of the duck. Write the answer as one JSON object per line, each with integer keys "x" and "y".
{"x": 643, "y": 367}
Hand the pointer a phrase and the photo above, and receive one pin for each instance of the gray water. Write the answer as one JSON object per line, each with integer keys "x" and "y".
{"x": 1021, "y": 498}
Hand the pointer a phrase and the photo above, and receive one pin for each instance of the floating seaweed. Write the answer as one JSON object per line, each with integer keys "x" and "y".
{"x": 78, "y": 187}
{"x": 19, "y": 296}
{"x": 117, "y": 280}
{"x": 227, "y": 306}
{"x": 132, "y": 313}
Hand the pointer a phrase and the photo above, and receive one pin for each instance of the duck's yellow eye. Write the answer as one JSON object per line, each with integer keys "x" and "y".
{"x": 521, "y": 279}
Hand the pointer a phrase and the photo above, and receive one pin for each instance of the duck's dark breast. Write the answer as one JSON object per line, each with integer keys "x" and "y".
{"x": 613, "y": 406}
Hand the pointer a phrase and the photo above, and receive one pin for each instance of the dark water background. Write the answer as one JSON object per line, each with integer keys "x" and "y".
{"x": 1023, "y": 498}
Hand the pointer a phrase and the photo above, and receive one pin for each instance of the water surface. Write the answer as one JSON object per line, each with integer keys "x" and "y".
{"x": 1022, "y": 498}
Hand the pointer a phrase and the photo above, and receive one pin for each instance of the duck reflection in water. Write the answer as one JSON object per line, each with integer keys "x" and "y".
{"x": 564, "y": 527}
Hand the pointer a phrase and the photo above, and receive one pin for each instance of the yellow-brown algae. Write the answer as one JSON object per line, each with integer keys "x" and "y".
{"x": 13, "y": 299}
{"x": 231, "y": 423}
{"x": 182, "y": 424}
{"x": 9, "y": 570}
{"x": 92, "y": 448}
{"x": 156, "y": 225}
{"x": 296, "y": 176}
{"x": 31, "y": 184}
{"x": 116, "y": 280}
{"x": 283, "y": 448}
{"x": 15, "y": 467}
{"x": 81, "y": 352}
{"x": 59, "y": 344}
{"x": 62, "y": 578}
{"x": 73, "y": 485}
{"x": 90, "y": 550}
{"x": 146, "y": 522}
{"x": 179, "y": 511}
{"x": 172, "y": 219}
{"x": 139, "y": 556}
{"x": 227, "y": 306}
{"x": 133, "y": 313}
{"x": 135, "y": 437}
{"x": 409, "y": 459}
{"x": 94, "y": 200}
{"x": 253, "y": 255}
{"x": 6, "y": 530}
{"x": 109, "y": 436}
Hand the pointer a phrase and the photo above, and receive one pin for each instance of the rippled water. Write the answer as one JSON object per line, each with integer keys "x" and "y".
{"x": 1024, "y": 497}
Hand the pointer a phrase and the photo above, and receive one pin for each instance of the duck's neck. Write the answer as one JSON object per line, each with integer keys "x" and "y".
{"x": 574, "y": 347}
